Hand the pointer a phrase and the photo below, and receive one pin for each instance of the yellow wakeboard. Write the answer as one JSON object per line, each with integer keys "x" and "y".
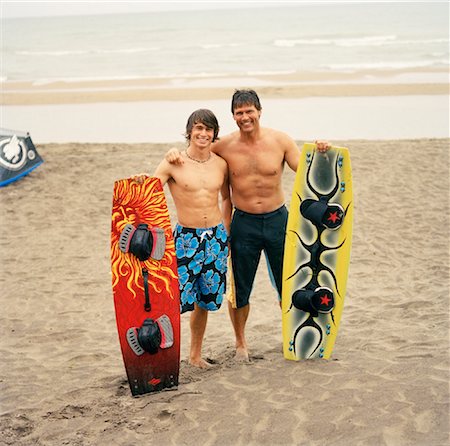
{"x": 317, "y": 253}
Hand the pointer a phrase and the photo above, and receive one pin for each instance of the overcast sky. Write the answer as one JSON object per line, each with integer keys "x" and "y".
{"x": 32, "y": 8}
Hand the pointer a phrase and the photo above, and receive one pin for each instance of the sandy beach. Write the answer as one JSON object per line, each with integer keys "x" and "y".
{"x": 62, "y": 376}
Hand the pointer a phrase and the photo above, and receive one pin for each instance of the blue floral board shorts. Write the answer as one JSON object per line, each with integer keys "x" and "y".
{"x": 202, "y": 266}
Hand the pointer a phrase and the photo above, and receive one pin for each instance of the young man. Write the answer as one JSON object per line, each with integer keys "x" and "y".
{"x": 201, "y": 239}
{"x": 255, "y": 156}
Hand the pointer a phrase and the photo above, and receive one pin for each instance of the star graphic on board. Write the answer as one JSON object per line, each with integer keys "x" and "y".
{"x": 325, "y": 300}
{"x": 334, "y": 217}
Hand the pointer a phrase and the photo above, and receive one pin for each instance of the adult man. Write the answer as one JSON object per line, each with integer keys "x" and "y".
{"x": 255, "y": 156}
{"x": 201, "y": 240}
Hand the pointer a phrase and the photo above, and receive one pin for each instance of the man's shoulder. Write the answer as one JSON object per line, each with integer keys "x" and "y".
{"x": 281, "y": 138}
{"x": 280, "y": 141}
{"x": 274, "y": 133}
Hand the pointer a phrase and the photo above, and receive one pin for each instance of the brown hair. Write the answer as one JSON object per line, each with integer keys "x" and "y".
{"x": 245, "y": 97}
{"x": 205, "y": 117}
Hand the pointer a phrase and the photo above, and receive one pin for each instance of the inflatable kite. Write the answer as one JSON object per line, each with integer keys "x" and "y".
{"x": 18, "y": 156}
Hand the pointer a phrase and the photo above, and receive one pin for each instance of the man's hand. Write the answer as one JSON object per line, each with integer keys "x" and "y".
{"x": 323, "y": 146}
{"x": 140, "y": 177}
{"x": 173, "y": 156}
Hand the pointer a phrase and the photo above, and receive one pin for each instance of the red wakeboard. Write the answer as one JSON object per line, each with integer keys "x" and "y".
{"x": 146, "y": 292}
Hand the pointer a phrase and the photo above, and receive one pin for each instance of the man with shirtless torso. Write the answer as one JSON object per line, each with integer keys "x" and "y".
{"x": 201, "y": 239}
{"x": 255, "y": 158}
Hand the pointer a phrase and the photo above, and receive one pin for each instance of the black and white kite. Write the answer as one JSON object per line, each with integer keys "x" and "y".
{"x": 18, "y": 156}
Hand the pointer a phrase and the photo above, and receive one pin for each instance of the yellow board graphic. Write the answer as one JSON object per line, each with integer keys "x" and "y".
{"x": 317, "y": 253}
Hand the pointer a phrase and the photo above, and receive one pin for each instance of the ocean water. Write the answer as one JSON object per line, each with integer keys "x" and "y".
{"x": 322, "y": 37}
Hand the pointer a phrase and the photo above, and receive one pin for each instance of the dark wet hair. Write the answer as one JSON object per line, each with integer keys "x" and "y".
{"x": 245, "y": 97}
{"x": 205, "y": 117}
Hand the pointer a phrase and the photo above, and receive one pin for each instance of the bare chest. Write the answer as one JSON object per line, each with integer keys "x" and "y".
{"x": 199, "y": 177}
{"x": 262, "y": 163}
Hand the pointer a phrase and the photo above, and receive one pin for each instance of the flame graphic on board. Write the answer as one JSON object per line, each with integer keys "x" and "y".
{"x": 134, "y": 203}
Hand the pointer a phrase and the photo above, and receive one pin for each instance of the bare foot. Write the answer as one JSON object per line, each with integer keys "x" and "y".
{"x": 241, "y": 354}
{"x": 200, "y": 363}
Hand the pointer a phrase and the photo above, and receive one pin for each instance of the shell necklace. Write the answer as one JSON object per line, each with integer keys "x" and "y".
{"x": 196, "y": 160}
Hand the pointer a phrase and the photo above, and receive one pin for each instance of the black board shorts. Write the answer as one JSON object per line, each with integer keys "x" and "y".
{"x": 250, "y": 234}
